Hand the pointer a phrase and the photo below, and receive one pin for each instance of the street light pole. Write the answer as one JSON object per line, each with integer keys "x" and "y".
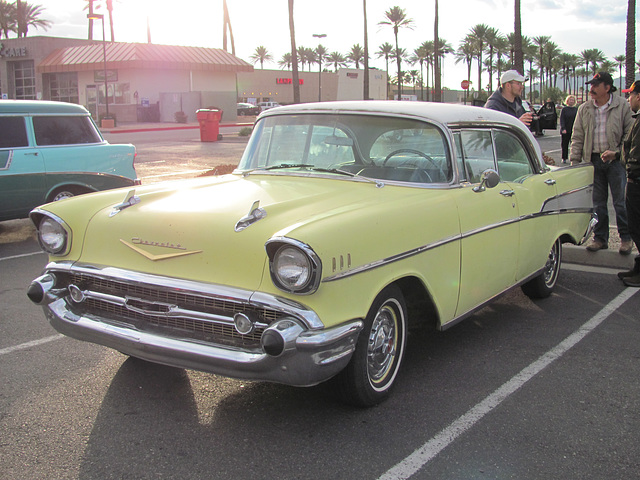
{"x": 99, "y": 16}
{"x": 319, "y": 35}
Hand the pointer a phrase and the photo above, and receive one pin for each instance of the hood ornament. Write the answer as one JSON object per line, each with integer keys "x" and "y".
{"x": 256, "y": 213}
{"x": 129, "y": 200}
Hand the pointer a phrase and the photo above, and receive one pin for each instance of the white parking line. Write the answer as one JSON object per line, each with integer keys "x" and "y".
{"x": 20, "y": 256}
{"x": 427, "y": 452}
{"x": 34, "y": 343}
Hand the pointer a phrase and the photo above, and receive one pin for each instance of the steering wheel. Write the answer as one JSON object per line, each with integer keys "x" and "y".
{"x": 419, "y": 153}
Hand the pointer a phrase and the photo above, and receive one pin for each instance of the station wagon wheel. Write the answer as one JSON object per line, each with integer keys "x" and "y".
{"x": 371, "y": 373}
{"x": 66, "y": 192}
{"x": 542, "y": 285}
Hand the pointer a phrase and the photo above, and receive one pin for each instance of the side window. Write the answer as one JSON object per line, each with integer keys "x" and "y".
{"x": 462, "y": 171}
{"x": 513, "y": 161}
{"x": 64, "y": 130}
{"x": 13, "y": 132}
{"x": 477, "y": 152}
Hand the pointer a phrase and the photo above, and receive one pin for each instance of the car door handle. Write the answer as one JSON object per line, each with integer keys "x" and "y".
{"x": 507, "y": 193}
{"x": 550, "y": 181}
{"x": 35, "y": 154}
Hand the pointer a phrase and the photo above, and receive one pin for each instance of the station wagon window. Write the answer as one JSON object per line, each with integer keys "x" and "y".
{"x": 13, "y": 132}
{"x": 380, "y": 147}
{"x": 64, "y": 130}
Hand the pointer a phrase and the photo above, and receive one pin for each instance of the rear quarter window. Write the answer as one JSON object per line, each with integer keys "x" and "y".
{"x": 64, "y": 130}
{"x": 13, "y": 132}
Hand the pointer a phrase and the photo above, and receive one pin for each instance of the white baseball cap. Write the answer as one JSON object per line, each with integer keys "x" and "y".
{"x": 511, "y": 75}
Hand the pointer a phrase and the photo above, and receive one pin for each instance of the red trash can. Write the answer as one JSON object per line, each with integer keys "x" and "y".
{"x": 209, "y": 121}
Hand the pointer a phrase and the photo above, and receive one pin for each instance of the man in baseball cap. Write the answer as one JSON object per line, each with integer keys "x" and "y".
{"x": 631, "y": 156}
{"x": 601, "y": 125}
{"x": 507, "y": 98}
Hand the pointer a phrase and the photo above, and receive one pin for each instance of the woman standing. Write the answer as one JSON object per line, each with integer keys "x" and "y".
{"x": 567, "y": 117}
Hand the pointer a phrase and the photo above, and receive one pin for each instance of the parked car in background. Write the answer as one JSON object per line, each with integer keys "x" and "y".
{"x": 248, "y": 109}
{"x": 267, "y": 105}
{"x": 53, "y": 150}
{"x": 344, "y": 225}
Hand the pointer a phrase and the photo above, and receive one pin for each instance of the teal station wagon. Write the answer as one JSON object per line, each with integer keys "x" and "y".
{"x": 53, "y": 150}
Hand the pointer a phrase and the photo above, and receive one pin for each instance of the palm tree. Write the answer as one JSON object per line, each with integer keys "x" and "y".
{"x": 540, "y": 42}
{"x": 477, "y": 36}
{"x": 8, "y": 18}
{"x": 620, "y": 60}
{"x": 422, "y": 55}
{"x": 355, "y": 55}
{"x": 365, "y": 86}
{"x": 436, "y": 59}
{"x": 285, "y": 61}
{"x": 630, "y": 52}
{"x": 385, "y": 50}
{"x": 261, "y": 55}
{"x": 337, "y": 60}
{"x": 396, "y": 18}
{"x": 517, "y": 57}
{"x": 226, "y": 23}
{"x": 492, "y": 35}
{"x": 320, "y": 56}
{"x": 294, "y": 58}
{"x": 28, "y": 15}
{"x": 465, "y": 53}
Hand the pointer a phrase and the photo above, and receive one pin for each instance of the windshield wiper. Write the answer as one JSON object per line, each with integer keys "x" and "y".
{"x": 378, "y": 183}
{"x": 277, "y": 167}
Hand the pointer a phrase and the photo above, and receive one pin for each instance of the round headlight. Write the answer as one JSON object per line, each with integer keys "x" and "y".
{"x": 292, "y": 268}
{"x": 52, "y": 236}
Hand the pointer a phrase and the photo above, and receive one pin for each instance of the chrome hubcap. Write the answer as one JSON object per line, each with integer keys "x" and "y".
{"x": 382, "y": 347}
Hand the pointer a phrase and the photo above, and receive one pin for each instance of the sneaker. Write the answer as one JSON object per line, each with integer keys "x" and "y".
{"x": 625, "y": 247}
{"x": 632, "y": 281}
{"x": 564, "y": 161}
{"x": 596, "y": 245}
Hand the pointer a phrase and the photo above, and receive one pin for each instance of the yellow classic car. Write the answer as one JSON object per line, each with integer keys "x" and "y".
{"x": 344, "y": 225}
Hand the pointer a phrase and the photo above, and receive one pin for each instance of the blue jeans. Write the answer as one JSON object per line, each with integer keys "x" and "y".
{"x": 609, "y": 175}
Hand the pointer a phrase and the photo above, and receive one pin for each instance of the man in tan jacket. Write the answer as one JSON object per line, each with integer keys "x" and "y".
{"x": 600, "y": 127}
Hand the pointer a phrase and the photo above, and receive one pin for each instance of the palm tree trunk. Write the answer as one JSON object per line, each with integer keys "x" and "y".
{"x": 630, "y": 52}
{"x": 365, "y": 90}
{"x": 294, "y": 56}
{"x": 437, "y": 97}
{"x": 395, "y": 32}
{"x": 90, "y": 33}
{"x": 519, "y": 57}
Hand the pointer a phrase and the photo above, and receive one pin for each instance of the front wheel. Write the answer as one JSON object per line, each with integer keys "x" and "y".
{"x": 67, "y": 192}
{"x": 542, "y": 285}
{"x": 370, "y": 375}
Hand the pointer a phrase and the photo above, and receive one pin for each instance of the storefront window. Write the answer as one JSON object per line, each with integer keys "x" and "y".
{"x": 119, "y": 93}
{"x": 24, "y": 79}
{"x": 63, "y": 87}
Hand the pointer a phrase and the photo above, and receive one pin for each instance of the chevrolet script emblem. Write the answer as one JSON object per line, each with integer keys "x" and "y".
{"x": 154, "y": 258}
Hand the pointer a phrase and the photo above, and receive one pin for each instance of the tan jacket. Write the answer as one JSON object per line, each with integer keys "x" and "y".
{"x": 619, "y": 122}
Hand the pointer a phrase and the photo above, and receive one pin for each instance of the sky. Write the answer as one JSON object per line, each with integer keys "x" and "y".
{"x": 574, "y": 25}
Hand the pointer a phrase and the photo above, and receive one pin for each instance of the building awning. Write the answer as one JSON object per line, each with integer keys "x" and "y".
{"x": 141, "y": 56}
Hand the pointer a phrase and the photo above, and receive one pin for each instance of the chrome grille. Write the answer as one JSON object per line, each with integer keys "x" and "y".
{"x": 174, "y": 327}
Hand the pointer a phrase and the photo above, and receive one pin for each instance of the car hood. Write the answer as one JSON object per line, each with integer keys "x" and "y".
{"x": 187, "y": 229}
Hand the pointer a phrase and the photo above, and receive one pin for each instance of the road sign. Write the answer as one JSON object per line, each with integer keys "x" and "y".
{"x": 465, "y": 84}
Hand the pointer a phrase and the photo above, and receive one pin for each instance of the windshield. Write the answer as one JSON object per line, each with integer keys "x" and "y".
{"x": 383, "y": 148}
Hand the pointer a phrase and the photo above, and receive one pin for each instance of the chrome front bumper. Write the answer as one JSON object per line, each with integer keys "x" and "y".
{"x": 290, "y": 352}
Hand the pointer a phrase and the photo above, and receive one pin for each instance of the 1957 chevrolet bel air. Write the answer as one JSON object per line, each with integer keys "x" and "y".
{"x": 344, "y": 225}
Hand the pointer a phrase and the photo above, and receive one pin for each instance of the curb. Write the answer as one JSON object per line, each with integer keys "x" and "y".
{"x": 162, "y": 129}
{"x": 602, "y": 258}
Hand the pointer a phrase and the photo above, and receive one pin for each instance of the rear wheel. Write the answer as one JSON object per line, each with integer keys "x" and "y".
{"x": 371, "y": 373}
{"x": 542, "y": 285}
{"x": 66, "y": 192}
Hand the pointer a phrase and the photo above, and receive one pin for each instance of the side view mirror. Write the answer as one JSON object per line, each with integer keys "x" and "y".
{"x": 490, "y": 178}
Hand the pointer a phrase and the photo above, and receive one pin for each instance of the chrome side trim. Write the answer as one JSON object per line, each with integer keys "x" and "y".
{"x": 444, "y": 241}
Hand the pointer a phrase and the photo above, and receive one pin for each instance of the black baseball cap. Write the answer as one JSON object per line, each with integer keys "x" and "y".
{"x": 603, "y": 77}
